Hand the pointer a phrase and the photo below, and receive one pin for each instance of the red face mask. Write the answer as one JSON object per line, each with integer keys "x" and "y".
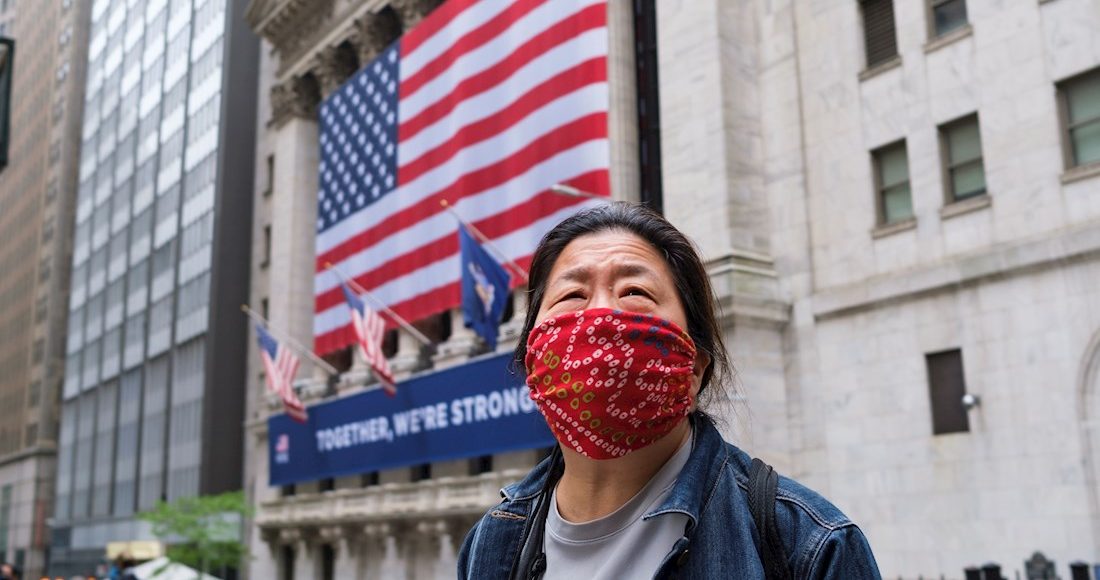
{"x": 610, "y": 382}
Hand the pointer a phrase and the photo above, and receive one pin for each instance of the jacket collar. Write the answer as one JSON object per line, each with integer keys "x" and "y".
{"x": 689, "y": 495}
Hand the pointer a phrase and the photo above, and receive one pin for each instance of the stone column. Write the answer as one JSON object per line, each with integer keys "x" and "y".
{"x": 388, "y": 543}
{"x": 715, "y": 189}
{"x": 462, "y": 343}
{"x": 294, "y": 206}
{"x": 344, "y": 544}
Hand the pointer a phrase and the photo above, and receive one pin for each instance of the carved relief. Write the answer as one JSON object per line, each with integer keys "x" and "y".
{"x": 413, "y": 11}
{"x": 333, "y": 66}
{"x": 296, "y": 97}
{"x": 290, "y": 24}
{"x": 372, "y": 33}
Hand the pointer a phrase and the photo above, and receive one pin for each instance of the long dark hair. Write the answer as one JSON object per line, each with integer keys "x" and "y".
{"x": 691, "y": 278}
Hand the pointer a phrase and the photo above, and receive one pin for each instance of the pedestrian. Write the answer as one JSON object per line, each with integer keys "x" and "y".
{"x": 620, "y": 340}
{"x": 9, "y": 571}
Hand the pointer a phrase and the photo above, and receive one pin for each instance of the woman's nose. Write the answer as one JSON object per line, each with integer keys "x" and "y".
{"x": 603, "y": 299}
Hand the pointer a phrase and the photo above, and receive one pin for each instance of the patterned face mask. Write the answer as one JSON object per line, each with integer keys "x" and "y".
{"x": 610, "y": 382}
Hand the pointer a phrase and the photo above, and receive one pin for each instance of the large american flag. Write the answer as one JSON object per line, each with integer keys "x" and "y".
{"x": 280, "y": 366}
{"x": 485, "y": 104}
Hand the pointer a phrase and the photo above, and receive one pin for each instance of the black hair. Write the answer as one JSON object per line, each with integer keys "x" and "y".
{"x": 690, "y": 276}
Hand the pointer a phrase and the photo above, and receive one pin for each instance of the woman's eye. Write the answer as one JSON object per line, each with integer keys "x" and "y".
{"x": 575, "y": 295}
{"x": 637, "y": 292}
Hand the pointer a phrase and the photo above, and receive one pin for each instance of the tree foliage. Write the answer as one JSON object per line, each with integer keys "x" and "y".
{"x": 202, "y": 532}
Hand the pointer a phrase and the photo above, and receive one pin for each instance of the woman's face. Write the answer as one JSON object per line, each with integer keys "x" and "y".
{"x": 611, "y": 269}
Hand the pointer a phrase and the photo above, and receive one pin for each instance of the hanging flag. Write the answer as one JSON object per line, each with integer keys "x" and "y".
{"x": 369, "y": 328}
{"x": 486, "y": 104}
{"x": 485, "y": 285}
{"x": 280, "y": 366}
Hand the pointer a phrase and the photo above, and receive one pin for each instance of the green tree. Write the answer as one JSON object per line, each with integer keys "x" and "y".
{"x": 202, "y": 532}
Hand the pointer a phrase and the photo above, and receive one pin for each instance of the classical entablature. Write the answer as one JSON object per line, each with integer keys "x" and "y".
{"x": 320, "y": 43}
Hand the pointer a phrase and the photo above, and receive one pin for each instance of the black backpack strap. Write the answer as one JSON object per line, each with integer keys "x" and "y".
{"x": 763, "y": 481}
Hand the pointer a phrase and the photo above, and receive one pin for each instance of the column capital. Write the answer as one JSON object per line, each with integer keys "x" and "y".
{"x": 372, "y": 33}
{"x": 413, "y": 11}
{"x": 294, "y": 97}
{"x": 332, "y": 66}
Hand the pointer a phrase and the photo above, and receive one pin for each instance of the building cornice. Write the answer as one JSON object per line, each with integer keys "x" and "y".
{"x": 1007, "y": 259}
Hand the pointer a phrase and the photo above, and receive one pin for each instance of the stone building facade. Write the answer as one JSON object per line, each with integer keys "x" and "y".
{"x": 36, "y": 210}
{"x": 843, "y": 286}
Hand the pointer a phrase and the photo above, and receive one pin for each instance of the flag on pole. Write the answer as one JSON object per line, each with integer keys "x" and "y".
{"x": 486, "y": 104}
{"x": 369, "y": 328}
{"x": 280, "y": 366}
{"x": 485, "y": 285}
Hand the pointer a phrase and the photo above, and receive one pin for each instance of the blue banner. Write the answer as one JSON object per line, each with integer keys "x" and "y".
{"x": 479, "y": 408}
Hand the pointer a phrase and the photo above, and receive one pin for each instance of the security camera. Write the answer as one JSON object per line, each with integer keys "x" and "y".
{"x": 970, "y": 401}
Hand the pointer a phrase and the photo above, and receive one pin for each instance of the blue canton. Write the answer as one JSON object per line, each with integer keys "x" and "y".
{"x": 359, "y": 141}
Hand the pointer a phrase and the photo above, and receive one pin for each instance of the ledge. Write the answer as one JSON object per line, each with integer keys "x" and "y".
{"x": 880, "y": 68}
{"x": 1005, "y": 259}
{"x": 894, "y": 228}
{"x": 468, "y": 495}
{"x": 949, "y": 38}
{"x": 1081, "y": 172}
{"x": 966, "y": 206}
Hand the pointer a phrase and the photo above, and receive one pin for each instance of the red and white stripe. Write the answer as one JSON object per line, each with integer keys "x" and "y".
{"x": 280, "y": 380}
{"x": 369, "y": 329}
{"x": 499, "y": 100}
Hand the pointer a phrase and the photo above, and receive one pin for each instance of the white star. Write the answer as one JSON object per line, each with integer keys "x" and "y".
{"x": 376, "y": 159}
{"x": 389, "y": 181}
{"x": 391, "y": 87}
{"x": 347, "y": 207}
{"x": 389, "y": 148}
{"x": 392, "y": 56}
{"x": 361, "y": 199}
{"x": 375, "y": 190}
{"x": 370, "y": 89}
{"x": 370, "y": 178}
{"x": 389, "y": 117}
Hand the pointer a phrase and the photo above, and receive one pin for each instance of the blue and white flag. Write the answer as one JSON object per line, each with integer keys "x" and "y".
{"x": 485, "y": 285}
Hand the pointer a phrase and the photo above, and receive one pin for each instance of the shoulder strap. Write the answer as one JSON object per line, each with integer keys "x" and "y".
{"x": 763, "y": 481}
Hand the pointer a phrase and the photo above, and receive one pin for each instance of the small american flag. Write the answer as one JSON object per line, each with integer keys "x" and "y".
{"x": 280, "y": 366}
{"x": 485, "y": 104}
{"x": 369, "y": 328}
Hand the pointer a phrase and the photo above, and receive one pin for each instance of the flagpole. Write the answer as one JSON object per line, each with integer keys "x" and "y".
{"x": 380, "y": 305}
{"x": 290, "y": 341}
{"x": 485, "y": 240}
{"x": 563, "y": 189}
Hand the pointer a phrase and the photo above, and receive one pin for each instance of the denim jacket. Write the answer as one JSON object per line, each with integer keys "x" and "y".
{"x": 720, "y": 540}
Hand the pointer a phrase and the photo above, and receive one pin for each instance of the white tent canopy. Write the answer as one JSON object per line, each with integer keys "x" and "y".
{"x": 171, "y": 571}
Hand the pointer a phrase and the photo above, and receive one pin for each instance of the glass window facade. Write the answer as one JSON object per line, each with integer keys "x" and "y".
{"x": 132, "y": 411}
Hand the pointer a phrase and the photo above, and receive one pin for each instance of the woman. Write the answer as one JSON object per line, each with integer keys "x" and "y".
{"x": 619, "y": 342}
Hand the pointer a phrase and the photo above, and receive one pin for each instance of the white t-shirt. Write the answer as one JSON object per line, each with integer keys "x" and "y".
{"x": 620, "y": 544}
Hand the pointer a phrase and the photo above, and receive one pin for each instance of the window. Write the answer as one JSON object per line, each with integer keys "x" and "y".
{"x": 286, "y": 563}
{"x": 946, "y": 387}
{"x": 1080, "y": 100}
{"x": 326, "y": 484}
{"x": 264, "y": 308}
{"x": 270, "y": 175}
{"x": 481, "y": 464}
{"x": 328, "y": 562}
{"x": 421, "y": 472}
{"x": 879, "y": 37}
{"x": 266, "y": 259}
{"x": 964, "y": 173}
{"x": 947, "y": 15}
{"x": 892, "y": 183}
